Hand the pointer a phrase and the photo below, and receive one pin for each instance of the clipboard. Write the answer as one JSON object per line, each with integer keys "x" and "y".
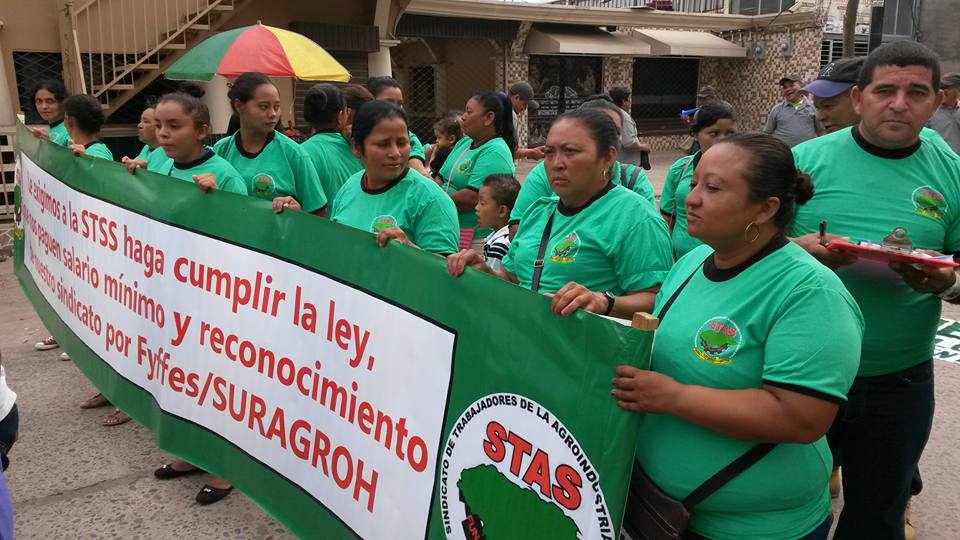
{"x": 896, "y": 247}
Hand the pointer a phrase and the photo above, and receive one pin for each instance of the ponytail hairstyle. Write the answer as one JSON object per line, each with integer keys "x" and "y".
{"x": 772, "y": 172}
{"x": 191, "y": 105}
{"x": 711, "y": 113}
{"x": 321, "y": 106}
{"x": 245, "y": 86}
{"x": 191, "y": 88}
{"x": 85, "y": 111}
{"x": 499, "y": 104}
{"x": 603, "y": 130}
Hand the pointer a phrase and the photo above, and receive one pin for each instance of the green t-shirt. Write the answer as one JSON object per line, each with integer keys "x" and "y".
{"x": 783, "y": 320}
{"x": 158, "y": 161}
{"x": 675, "y": 191}
{"x": 412, "y": 202}
{"x": 280, "y": 169}
{"x": 864, "y": 192}
{"x": 466, "y": 168}
{"x": 333, "y": 159}
{"x": 145, "y": 152}
{"x": 416, "y": 147}
{"x": 100, "y": 150}
{"x": 58, "y": 134}
{"x": 228, "y": 179}
{"x": 536, "y": 185}
{"x": 614, "y": 243}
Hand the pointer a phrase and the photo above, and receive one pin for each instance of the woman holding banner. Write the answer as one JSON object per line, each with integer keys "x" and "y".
{"x": 486, "y": 148}
{"x": 274, "y": 166}
{"x": 597, "y": 246}
{"x": 630, "y": 176}
{"x": 184, "y": 125}
{"x": 387, "y": 197}
{"x": 48, "y": 98}
{"x": 775, "y": 345}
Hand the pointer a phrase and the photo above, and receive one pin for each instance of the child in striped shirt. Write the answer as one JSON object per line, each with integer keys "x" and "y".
{"x": 495, "y": 201}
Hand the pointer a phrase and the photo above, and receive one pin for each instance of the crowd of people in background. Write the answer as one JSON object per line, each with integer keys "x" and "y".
{"x": 777, "y": 354}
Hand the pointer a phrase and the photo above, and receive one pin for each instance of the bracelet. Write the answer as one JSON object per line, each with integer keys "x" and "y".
{"x": 952, "y": 292}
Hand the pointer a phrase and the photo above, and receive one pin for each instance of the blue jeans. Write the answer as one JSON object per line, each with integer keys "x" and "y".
{"x": 883, "y": 428}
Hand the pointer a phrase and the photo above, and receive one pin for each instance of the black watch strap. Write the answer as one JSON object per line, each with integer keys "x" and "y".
{"x": 611, "y": 299}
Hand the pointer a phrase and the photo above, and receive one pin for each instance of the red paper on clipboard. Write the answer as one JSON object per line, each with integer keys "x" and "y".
{"x": 879, "y": 253}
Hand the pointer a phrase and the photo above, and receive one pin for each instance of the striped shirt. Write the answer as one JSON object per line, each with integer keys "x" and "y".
{"x": 495, "y": 247}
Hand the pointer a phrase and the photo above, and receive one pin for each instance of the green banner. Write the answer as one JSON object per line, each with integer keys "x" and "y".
{"x": 349, "y": 390}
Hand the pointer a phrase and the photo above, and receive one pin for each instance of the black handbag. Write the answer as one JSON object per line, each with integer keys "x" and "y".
{"x": 651, "y": 514}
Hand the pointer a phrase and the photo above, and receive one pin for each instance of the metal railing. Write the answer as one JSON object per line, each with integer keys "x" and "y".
{"x": 679, "y": 6}
{"x": 115, "y": 39}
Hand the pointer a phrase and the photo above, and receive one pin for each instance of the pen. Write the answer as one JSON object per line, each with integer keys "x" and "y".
{"x": 823, "y": 233}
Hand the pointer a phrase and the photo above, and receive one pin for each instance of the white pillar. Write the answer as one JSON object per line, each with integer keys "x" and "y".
{"x": 216, "y": 100}
{"x": 7, "y": 114}
{"x": 378, "y": 63}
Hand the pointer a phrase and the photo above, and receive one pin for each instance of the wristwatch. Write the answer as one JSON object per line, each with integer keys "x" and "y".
{"x": 611, "y": 299}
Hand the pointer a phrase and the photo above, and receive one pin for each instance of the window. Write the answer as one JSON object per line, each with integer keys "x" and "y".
{"x": 898, "y": 17}
{"x": 32, "y": 68}
{"x": 759, "y": 7}
{"x": 832, "y": 49}
{"x": 662, "y": 87}
{"x": 560, "y": 83}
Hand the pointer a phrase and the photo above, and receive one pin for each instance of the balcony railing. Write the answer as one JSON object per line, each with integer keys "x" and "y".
{"x": 680, "y": 6}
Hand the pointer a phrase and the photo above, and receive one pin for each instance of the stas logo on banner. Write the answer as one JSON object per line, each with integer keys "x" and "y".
{"x": 509, "y": 463}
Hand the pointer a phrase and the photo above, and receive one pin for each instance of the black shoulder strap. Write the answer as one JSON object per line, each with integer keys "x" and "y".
{"x": 538, "y": 264}
{"x": 728, "y": 473}
{"x": 676, "y": 293}
{"x": 623, "y": 175}
{"x": 633, "y": 178}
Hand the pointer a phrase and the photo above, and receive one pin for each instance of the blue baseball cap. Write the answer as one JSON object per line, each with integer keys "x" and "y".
{"x": 836, "y": 77}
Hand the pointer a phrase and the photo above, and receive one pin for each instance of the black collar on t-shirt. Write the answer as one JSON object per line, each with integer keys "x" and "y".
{"x": 474, "y": 144}
{"x": 567, "y": 211}
{"x": 384, "y": 189}
{"x": 55, "y": 124}
{"x": 248, "y": 155}
{"x": 713, "y": 273}
{"x": 886, "y": 153}
{"x": 91, "y": 143}
{"x": 207, "y": 154}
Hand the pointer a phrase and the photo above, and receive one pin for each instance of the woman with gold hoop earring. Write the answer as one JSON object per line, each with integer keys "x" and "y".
{"x": 757, "y": 347}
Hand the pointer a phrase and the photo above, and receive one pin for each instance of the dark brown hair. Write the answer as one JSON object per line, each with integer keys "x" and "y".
{"x": 772, "y": 172}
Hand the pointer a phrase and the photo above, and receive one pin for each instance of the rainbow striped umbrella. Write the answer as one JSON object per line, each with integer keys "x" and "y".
{"x": 266, "y": 49}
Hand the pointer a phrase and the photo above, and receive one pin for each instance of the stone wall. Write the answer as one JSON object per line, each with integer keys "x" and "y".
{"x": 751, "y": 85}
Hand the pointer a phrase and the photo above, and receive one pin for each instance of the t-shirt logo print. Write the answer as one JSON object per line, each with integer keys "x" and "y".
{"x": 565, "y": 251}
{"x": 383, "y": 222}
{"x": 929, "y": 202}
{"x": 717, "y": 341}
{"x": 263, "y": 185}
{"x": 464, "y": 167}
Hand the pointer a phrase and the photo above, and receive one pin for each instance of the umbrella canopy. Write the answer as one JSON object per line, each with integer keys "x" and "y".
{"x": 266, "y": 49}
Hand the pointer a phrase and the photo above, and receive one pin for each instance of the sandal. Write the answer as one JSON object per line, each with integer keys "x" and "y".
{"x": 46, "y": 344}
{"x": 98, "y": 400}
{"x": 210, "y": 495}
{"x": 167, "y": 472}
{"x": 116, "y": 418}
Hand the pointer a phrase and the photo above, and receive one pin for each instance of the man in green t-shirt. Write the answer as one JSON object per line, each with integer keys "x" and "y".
{"x": 868, "y": 180}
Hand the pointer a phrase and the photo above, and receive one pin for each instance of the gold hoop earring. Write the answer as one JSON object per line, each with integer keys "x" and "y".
{"x": 746, "y": 232}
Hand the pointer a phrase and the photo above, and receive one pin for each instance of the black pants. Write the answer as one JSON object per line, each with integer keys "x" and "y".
{"x": 9, "y": 427}
{"x": 880, "y": 434}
